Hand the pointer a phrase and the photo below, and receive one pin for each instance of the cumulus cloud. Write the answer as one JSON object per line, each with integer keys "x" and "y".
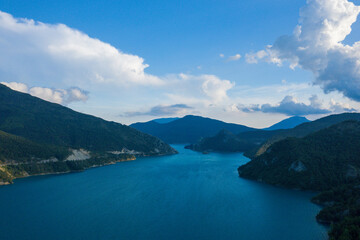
{"x": 205, "y": 87}
{"x": 234, "y": 58}
{"x": 221, "y": 55}
{"x": 337, "y": 107}
{"x": 216, "y": 88}
{"x": 20, "y": 87}
{"x": 291, "y": 107}
{"x": 317, "y": 45}
{"x": 160, "y": 110}
{"x": 59, "y": 53}
{"x": 59, "y": 96}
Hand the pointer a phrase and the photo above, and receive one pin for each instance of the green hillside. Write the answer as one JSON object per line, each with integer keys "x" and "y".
{"x": 288, "y": 123}
{"x": 226, "y": 141}
{"x": 319, "y": 161}
{"x": 39, "y": 137}
{"x": 20, "y": 150}
{"x": 304, "y": 129}
{"x": 341, "y": 210}
{"x": 49, "y": 123}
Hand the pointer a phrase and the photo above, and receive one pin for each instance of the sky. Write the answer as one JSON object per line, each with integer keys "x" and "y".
{"x": 250, "y": 62}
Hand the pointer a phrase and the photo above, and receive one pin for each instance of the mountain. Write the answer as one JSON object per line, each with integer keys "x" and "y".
{"x": 319, "y": 161}
{"x": 254, "y": 143}
{"x": 327, "y": 160}
{"x": 188, "y": 129}
{"x": 341, "y": 210}
{"x": 19, "y": 150}
{"x": 164, "y": 120}
{"x": 303, "y": 130}
{"x": 288, "y": 123}
{"x": 226, "y": 141}
{"x": 49, "y": 123}
{"x": 20, "y": 157}
{"x": 39, "y": 137}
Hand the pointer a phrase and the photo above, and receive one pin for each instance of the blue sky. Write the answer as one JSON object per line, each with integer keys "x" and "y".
{"x": 192, "y": 49}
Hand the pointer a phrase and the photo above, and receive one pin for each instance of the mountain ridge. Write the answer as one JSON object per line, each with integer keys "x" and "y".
{"x": 304, "y": 129}
{"x": 288, "y": 123}
{"x": 188, "y": 129}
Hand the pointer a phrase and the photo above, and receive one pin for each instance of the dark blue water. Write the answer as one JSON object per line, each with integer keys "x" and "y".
{"x": 185, "y": 196}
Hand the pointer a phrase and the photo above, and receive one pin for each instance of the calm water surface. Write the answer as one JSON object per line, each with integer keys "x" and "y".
{"x": 185, "y": 196}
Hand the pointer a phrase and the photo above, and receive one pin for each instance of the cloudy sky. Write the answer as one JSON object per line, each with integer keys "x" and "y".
{"x": 252, "y": 62}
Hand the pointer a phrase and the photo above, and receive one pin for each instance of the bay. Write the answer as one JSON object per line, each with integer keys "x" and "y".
{"x": 185, "y": 196}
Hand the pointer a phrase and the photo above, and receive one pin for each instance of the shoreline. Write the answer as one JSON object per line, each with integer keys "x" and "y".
{"x": 65, "y": 172}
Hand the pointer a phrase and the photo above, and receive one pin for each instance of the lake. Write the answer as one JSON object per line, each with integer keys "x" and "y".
{"x": 184, "y": 196}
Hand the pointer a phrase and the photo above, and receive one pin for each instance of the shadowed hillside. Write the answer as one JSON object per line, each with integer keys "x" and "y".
{"x": 188, "y": 129}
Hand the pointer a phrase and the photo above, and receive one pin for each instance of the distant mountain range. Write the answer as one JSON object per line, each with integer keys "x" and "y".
{"x": 248, "y": 141}
{"x": 288, "y": 123}
{"x": 40, "y": 136}
{"x": 188, "y": 129}
{"x": 165, "y": 120}
{"x": 254, "y": 143}
{"x": 191, "y": 129}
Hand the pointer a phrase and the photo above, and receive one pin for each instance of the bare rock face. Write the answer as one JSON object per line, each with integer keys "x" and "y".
{"x": 78, "y": 155}
{"x": 297, "y": 166}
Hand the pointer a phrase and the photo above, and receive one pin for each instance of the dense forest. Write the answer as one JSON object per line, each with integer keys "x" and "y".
{"x": 19, "y": 150}
{"x": 20, "y": 157}
{"x": 49, "y": 123}
{"x": 341, "y": 210}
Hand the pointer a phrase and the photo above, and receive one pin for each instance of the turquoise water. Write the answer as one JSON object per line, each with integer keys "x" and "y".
{"x": 185, "y": 196}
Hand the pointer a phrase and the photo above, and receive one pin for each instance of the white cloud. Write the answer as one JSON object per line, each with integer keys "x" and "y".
{"x": 221, "y": 55}
{"x": 161, "y": 110}
{"x": 255, "y": 57}
{"x": 204, "y": 88}
{"x": 216, "y": 88}
{"x": 290, "y": 106}
{"x": 58, "y": 53}
{"x": 20, "y": 87}
{"x": 317, "y": 45}
{"x": 338, "y": 107}
{"x": 234, "y": 58}
{"x": 47, "y": 94}
{"x": 59, "y": 96}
